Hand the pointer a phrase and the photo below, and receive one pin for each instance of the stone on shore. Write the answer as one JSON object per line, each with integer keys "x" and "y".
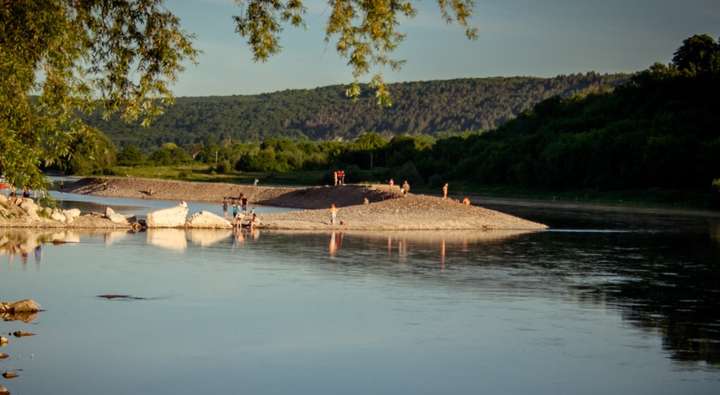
{"x": 173, "y": 217}
{"x": 58, "y": 215}
{"x": 70, "y": 215}
{"x": 115, "y": 217}
{"x": 3, "y": 340}
{"x": 4, "y": 356}
{"x": 10, "y": 374}
{"x": 207, "y": 220}
{"x": 4, "y": 391}
{"x": 27, "y": 205}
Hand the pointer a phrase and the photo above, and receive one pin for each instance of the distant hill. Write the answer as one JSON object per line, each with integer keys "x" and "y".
{"x": 427, "y": 107}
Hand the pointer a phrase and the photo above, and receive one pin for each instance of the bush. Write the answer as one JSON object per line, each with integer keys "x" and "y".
{"x": 224, "y": 167}
{"x": 408, "y": 172}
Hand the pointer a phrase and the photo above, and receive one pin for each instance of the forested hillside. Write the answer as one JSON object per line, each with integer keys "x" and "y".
{"x": 430, "y": 107}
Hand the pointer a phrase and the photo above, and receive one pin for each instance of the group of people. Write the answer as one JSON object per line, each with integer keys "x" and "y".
{"x": 404, "y": 189}
{"x": 339, "y": 177}
{"x": 239, "y": 211}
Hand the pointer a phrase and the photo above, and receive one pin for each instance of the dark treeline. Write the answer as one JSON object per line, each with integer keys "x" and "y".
{"x": 431, "y": 108}
{"x": 658, "y": 129}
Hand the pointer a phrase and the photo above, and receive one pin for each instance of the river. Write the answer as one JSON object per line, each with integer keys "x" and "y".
{"x": 599, "y": 304}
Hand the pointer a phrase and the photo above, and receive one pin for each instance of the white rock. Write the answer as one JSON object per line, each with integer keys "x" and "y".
{"x": 173, "y": 217}
{"x": 115, "y": 217}
{"x": 29, "y": 207}
{"x": 71, "y": 214}
{"x": 3, "y": 199}
{"x": 206, "y": 219}
{"x": 58, "y": 216}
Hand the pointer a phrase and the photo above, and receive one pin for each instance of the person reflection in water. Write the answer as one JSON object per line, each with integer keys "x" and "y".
{"x": 335, "y": 243}
{"x": 442, "y": 255}
{"x": 38, "y": 254}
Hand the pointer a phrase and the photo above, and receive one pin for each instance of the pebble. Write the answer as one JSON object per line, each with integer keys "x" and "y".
{"x": 4, "y": 391}
{"x": 9, "y": 375}
{"x": 3, "y": 340}
{"x": 22, "y": 334}
{"x": 4, "y": 356}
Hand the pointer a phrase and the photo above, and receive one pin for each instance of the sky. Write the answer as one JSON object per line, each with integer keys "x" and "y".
{"x": 515, "y": 37}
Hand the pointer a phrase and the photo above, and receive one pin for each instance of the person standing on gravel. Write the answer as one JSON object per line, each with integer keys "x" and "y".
{"x": 445, "y": 191}
{"x": 333, "y": 214}
{"x": 405, "y": 188}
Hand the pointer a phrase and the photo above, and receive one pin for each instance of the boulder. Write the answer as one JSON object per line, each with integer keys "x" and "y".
{"x": 57, "y": 215}
{"x": 208, "y": 220}
{"x": 21, "y": 306}
{"x": 27, "y": 205}
{"x": 173, "y": 217}
{"x": 71, "y": 214}
{"x": 115, "y": 217}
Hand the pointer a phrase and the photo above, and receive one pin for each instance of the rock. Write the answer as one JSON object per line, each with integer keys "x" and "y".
{"x": 10, "y": 374}
{"x": 22, "y": 334}
{"x": 27, "y": 205}
{"x": 70, "y": 215}
{"x": 206, "y": 219}
{"x": 4, "y": 391}
{"x": 115, "y": 217}
{"x": 22, "y": 306}
{"x": 173, "y": 217}
{"x": 4, "y": 340}
{"x": 4, "y": 356}
{"x": 3, "y": 199}
{"x": 57, "y": 215}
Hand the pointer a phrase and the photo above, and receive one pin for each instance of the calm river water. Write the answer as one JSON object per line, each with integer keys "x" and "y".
{"x": 601, "y": 304}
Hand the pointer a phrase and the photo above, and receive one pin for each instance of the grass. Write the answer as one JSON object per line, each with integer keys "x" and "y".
{"x": 204, "y": 173}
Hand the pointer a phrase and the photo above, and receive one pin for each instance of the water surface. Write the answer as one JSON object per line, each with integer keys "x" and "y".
{"x": 593, "y": 307}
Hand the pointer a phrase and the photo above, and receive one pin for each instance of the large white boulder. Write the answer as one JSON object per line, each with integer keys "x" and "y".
{"x": 173, "y": 217}
{"x": 71, "y": 214}
{"x": 58, "y": 215}
{"x": 29, "y": 207}
{"x": 115, "y": 217}
{"x": 206, "y": 219}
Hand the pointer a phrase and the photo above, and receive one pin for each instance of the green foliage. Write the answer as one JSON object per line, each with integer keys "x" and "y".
{"x": 119, "y": 56}
{"x": 131, "y": 155}
{"x": 169, "y": 154}
{"x": 437, "y": 108}
{"x": 366, "y": 31}
{"x": 699, "y": 54}
{"x": 89, "y": 153}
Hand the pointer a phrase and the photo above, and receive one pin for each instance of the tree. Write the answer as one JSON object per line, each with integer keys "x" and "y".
{"x": 61, "y": 57}
{"x": 699, "y": 54}
{"x": 370, "y": 142}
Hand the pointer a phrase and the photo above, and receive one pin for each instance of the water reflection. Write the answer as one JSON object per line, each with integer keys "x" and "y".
{"x": 665, "y": 284}
{"x": 24, "y": 243}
